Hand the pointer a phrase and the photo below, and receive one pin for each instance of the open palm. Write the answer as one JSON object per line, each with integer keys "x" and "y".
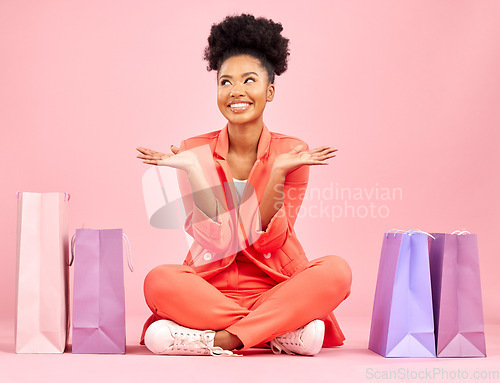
{"x": 178, "y": 159}
{"x": 287, "y": 162}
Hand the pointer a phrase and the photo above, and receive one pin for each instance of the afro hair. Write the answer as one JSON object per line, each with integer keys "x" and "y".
{"x": 245, "y": 34}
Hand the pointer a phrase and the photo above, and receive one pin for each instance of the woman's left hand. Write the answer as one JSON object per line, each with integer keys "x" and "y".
{"x": 287, "y": 162}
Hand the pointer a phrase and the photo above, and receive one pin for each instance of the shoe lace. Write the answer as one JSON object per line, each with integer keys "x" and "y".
{"x": 281, "y": 343}
{"x": 198, "y": 342}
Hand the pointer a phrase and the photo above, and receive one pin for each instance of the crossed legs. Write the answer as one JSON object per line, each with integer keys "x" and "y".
{"x": 176, "y": 292}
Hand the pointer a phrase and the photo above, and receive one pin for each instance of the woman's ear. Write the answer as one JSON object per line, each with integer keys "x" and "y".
{"x": 270, "y": 92}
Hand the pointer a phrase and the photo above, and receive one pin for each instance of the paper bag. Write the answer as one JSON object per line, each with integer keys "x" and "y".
{"x": 42, "y": 272}
{"x": 456, "y": 288}
{"x": 98, "y": 292}
{"x": 402, "y": 319}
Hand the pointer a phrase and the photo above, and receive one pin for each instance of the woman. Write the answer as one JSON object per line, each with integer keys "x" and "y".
{"x": 246, "y": 281}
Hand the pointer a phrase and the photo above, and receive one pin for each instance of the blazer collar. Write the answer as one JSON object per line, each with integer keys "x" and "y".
{"x": 262, "y": 149}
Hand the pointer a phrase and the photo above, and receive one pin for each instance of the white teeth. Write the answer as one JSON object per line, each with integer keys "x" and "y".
{"x": 241, "y": 105}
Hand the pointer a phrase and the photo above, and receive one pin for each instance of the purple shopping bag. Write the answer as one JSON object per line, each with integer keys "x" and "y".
{"x": 456, "y": 290}
{"x": 98, "y": 292}
{"x": 402, "y": 319}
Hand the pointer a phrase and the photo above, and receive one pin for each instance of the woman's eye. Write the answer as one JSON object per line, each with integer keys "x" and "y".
{"x": 251, "y": 79}
{"x": 223, "y": 82}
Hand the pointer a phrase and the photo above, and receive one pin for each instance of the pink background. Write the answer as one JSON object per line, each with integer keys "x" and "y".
{"x": 408, "y": 91}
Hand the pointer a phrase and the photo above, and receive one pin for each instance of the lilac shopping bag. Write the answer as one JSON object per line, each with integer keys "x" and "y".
{"x": 42, "y": 272}
{"x": 98, "y": 291}
{"x": 456, "y": 289}
{"x": 402, "y": 319}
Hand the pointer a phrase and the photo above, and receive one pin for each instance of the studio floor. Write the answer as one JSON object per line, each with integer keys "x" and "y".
{"x": 351, "y": 363}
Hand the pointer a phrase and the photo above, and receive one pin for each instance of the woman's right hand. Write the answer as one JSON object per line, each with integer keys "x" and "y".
{"x": 184, "y": 160}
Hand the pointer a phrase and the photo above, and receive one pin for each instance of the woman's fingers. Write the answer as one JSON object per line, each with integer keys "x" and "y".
{"x": 323, "y": 150}
{"x": 149, "y": 151}
{"x": 323, "y": 153}
{"x": 176, "y": 159}
{"x": 174, "y": 149}
{"x": 150, "y": 162}
{"x": 318, "y": 158}
{"x": 145, "y": 150}
{"x": 155, "y": 154}
{"x": 155, "y": 158}
{"x": 149, "y": 156}
{"x": 324, "y": 156}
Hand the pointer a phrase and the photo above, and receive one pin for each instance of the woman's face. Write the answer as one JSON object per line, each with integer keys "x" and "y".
{"x": 243, "y": 89}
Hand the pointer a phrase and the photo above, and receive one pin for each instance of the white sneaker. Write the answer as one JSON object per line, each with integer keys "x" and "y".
{"x": 306, "y": 340}
{"x": 169, "y": 338}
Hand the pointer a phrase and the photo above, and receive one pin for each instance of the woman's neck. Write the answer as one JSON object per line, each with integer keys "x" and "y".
{"x": 244, "y": 138}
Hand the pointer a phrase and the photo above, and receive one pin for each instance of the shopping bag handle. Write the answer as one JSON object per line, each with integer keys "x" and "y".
{"x": 129, "y": 253}
{"x": 395, "y": 232}
{"x": 72, "y": 250}
{"x": 66, "y": 195}
{"x": 409, "y": 232}
{"x": 421, "y": 232}
{"x": 460, "y": 232}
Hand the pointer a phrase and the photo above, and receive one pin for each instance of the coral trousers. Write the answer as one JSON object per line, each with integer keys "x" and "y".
{"x": 248, "y": 306}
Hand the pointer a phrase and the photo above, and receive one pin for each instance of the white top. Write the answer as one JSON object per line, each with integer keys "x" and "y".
{"x": 240, "y": 186}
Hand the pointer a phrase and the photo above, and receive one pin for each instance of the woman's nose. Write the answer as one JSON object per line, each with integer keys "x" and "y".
{"x": 237, "y": 90}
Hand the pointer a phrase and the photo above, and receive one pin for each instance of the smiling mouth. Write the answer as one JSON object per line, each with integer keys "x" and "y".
{"x": 240, "y": 106}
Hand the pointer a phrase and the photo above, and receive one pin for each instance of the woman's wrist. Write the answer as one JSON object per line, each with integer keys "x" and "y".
{"x": 278, "y": 172}
{"x": 194, "y": 170}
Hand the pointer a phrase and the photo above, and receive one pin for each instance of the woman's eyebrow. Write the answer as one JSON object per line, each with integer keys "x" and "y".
{"x": 243, "y": 75}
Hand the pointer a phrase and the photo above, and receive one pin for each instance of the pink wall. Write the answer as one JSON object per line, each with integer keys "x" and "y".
{"x": 408, "y": 92}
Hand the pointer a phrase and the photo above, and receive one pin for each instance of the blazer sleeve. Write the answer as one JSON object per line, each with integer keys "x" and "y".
{"x": 281, "y": 224}
{"x": 213, "y": 235}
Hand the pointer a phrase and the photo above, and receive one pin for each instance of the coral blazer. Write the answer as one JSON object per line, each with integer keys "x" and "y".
{"x": 237, "y": 227}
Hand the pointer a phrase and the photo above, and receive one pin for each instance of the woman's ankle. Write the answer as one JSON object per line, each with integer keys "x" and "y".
{"x": 227, "y": 341}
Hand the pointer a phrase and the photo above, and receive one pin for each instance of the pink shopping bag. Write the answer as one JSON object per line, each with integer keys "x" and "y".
{"x": 42, "y": 273}
{"x": 98, "y": 291}
{"x": 402, "y": 318}
{"x": 456, "y": 288}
